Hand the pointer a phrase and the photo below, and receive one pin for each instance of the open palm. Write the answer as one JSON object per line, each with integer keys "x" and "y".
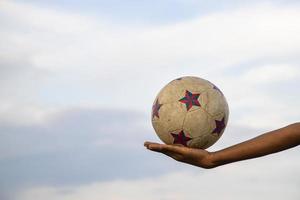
{"x": 197, "y": 157}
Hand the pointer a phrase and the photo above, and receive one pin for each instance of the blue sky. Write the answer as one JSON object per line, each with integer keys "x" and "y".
{"x": 150, "y": 12}
{"x": 77, "y": 83}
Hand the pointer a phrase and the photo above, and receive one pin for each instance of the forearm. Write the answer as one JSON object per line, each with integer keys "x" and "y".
{"x": 265, "y": 144}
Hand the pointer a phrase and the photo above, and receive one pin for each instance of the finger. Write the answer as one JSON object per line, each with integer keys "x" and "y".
{"x": 148, "y": 144}
{"x": 177, "y": 149}
{"x": 175, "y": 152}
{"x": 163, "y": 148}
{"x": 154, "y": 146}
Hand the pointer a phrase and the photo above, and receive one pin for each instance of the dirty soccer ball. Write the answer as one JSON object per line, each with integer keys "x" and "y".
{"x": 190, "y": 111}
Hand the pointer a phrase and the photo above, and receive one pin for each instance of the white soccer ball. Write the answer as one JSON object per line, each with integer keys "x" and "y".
{"x": 190, "y": 111}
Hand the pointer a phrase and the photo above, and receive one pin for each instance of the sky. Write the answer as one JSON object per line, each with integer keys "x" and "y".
{"x": 78, "y": 80}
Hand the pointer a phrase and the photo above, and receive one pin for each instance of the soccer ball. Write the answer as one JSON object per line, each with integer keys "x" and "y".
{"x": 190, "y": 111}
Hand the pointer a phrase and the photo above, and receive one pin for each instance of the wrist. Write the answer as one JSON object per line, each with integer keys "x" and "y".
{"x": 213, "y": 160}
{"x": 209, "y": 161}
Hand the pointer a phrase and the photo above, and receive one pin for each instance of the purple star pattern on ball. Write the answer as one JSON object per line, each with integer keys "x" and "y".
{"x": 155, "y": 108}
{"x": 190, "y": 100}
{"x": 220, "y": 125}
{"x": 180, "y": 138}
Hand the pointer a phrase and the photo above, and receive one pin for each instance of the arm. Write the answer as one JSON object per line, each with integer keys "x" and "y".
{"x": 262, "y": 145}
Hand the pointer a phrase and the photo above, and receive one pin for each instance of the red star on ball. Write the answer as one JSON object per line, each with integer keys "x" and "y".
{"x": 220, "y": 125}
{"x": 155, "y": 108}
{"x": 190, "y": 99}
{"x": 180, "y": 138}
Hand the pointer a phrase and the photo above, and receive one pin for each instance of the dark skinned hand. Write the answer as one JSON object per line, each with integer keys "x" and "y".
{"x": 197, "y": 157}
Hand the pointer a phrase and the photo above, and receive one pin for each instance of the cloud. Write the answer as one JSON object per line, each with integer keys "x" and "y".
{"x": 77, "y": 146}
{"x": 264, "y": 178}
{"x": 18, "y": 85}
{"x": 91, "y": 62}
{"x": 271, "y": 74}
{"x": 42, "y": 19}
{"x": 75, "y": 90}
{"x": 81, "y": 146}
{"x": 219, "y": 39}
{"x": 261, "y": 96}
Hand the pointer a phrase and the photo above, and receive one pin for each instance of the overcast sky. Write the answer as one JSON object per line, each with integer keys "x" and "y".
{"x": 77, "y": 82}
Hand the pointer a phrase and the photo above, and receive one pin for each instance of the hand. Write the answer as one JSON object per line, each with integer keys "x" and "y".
{"x": 197, "y": 157}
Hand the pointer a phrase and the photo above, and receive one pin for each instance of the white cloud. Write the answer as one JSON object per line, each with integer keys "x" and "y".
{"x": 86, "y": 57}
{"x": 214, "y": 41}
{"x": 220, "y": 39}
{"x": 18, "y": 114}
{"x": 255, "y": 94}
{"x": 48, "y": 20}
{"x": 70, "y": 60}
{"x": 271, "y": 73}
{"x": 264, "y": 178}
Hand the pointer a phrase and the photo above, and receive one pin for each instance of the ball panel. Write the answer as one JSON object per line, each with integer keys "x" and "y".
{"x": 198, "y": 123}
{"x": 209, "y": 140}
{"x": 195, "y": 84}
{"x": 220, "y": 116}
{"x": 199, "y": 142}
{"x": 214, "y": 102}
{"x": 172, "y": 116}
{"x": 203, "y": 142}
{"x": 171, "y": 92}
{"x": 162, "y": 132}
